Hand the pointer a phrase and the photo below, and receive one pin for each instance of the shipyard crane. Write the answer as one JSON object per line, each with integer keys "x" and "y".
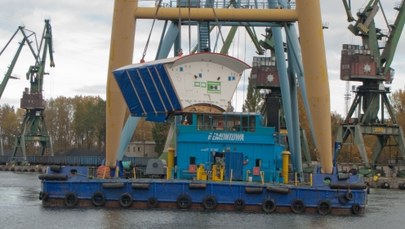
{"x": 370, "y": 63}
{"x": 33, "y": 127}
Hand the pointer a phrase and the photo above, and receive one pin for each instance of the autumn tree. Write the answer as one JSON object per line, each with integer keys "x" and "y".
{"x": 9, "y": 126}
{"x": 159, "y": 133}
{"x": 253, "y": 101}
{"x": 398, "y": 104}
{"x": 89, "y": 121}
{"x": 59, "y": 118}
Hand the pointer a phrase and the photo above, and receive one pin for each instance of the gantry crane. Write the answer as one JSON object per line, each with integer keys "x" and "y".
{"x": 274, "y": 12}
{"x": 370, "y": 63}
{"x": 33, "y": 127}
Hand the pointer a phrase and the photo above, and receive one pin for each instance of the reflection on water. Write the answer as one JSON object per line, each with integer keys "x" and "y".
{"x": 20, "y": 208}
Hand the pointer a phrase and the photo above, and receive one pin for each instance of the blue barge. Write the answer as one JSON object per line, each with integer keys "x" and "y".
{"x": 217, "y": 160}
{"x": 222, "y": 161}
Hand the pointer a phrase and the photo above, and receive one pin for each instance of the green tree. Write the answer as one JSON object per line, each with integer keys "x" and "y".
{"x": 253, "y": 101}
{"x": 9, "y": 126}
{"x": 336, "y": 121}
{"x": 58, "y": 118}
{"x": 159, "y": 133}
{"x": 398, "y": 104}
{"x": 89, "y": 121}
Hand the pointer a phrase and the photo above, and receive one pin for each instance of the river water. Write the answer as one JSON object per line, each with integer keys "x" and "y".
{"x": 20, "y": 208}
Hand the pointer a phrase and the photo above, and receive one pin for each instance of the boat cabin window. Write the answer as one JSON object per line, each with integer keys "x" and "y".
{"x": 192, "y": 160}
{"x": 187, "y": 119}
{"x": 221, "y": 122}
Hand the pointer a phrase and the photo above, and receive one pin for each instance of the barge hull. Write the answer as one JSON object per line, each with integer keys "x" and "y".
{"x": 80, "y": 191}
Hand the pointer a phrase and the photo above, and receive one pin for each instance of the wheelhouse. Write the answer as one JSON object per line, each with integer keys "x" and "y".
{"x": 227, "y": 146}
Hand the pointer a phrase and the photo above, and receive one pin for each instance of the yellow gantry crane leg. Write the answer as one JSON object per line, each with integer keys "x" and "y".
{"x": 121, "y": 52}
{"x": 308, "y": 15}
{"x": 316, "y": 76}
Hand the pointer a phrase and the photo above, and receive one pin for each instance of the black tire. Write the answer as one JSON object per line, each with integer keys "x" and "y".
{"x": 184, "y": 201}
{"x": 342, "y": 199}
{"x": 401, "y": 186}
{"x": 98, "y": 199}
{"x": 209, "y": 202}
{"x": 43, "y": 196}
{"x": 349, "y": 196}
{"x": 70, "y": 200}
{"x": 385, "y": 185}
{"x": 324, "y": 207}
{"x": 356, "y": 209}
{"x": 268, "y": 206}
{"x": 126, "y": 200}
{"x": 239, "y": 204}
{"x": 298, "y": 206}
{"x": 152, "y": 202}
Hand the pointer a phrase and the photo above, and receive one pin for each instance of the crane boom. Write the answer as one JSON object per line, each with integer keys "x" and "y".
{"x": 39, "y": 66}
{"x": 396, "y": 30}
{"x": 11, "y": 67}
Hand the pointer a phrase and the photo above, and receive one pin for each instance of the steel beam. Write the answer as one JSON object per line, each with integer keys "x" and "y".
{"x": 217, "y": 14}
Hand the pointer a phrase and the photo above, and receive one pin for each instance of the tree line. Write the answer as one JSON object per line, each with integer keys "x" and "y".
{"x": 80, "y": 122}
{"x": 77, "y": 123}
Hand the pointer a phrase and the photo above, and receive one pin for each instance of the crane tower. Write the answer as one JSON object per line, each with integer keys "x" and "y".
{"x": 33, "y": 128}
{"x": 371, "y": 112}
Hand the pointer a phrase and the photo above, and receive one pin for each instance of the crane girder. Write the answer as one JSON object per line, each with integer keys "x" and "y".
{"x": 392, "y": 42}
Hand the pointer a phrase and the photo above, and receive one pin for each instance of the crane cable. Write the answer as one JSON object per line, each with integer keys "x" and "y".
{"x": 189, "y": 27}
{"x": 218, "y": 24}
{"x": 385, "y": 18}
{"x": 150, "y": 32}
{"x": 180, "y": 51}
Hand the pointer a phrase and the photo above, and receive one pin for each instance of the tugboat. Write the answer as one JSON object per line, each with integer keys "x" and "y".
{"x": 229, "y": 161}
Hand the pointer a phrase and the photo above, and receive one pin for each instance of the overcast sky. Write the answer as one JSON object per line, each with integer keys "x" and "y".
{"x": 81, "y": 35}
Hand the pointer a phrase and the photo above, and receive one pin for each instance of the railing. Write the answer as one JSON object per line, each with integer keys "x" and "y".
{"x": 69, "y": 160}
{"x": 247, "y": 4}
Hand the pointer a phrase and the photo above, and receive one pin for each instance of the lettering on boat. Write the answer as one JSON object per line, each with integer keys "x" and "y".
{"x": 226, "y": 137}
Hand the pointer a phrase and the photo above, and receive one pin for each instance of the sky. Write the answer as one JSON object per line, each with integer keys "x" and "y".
{"x": 81, "y": 36}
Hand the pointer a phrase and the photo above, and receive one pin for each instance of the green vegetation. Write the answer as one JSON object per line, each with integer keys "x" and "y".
{"x": 253, "y": 101}
{"x": 79, "y": 123}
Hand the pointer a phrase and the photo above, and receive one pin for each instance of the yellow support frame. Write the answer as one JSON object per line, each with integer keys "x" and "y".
{"x": 308, "y": 15}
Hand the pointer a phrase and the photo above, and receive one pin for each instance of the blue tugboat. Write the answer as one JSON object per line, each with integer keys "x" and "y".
{"x": 227, "y": 161}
